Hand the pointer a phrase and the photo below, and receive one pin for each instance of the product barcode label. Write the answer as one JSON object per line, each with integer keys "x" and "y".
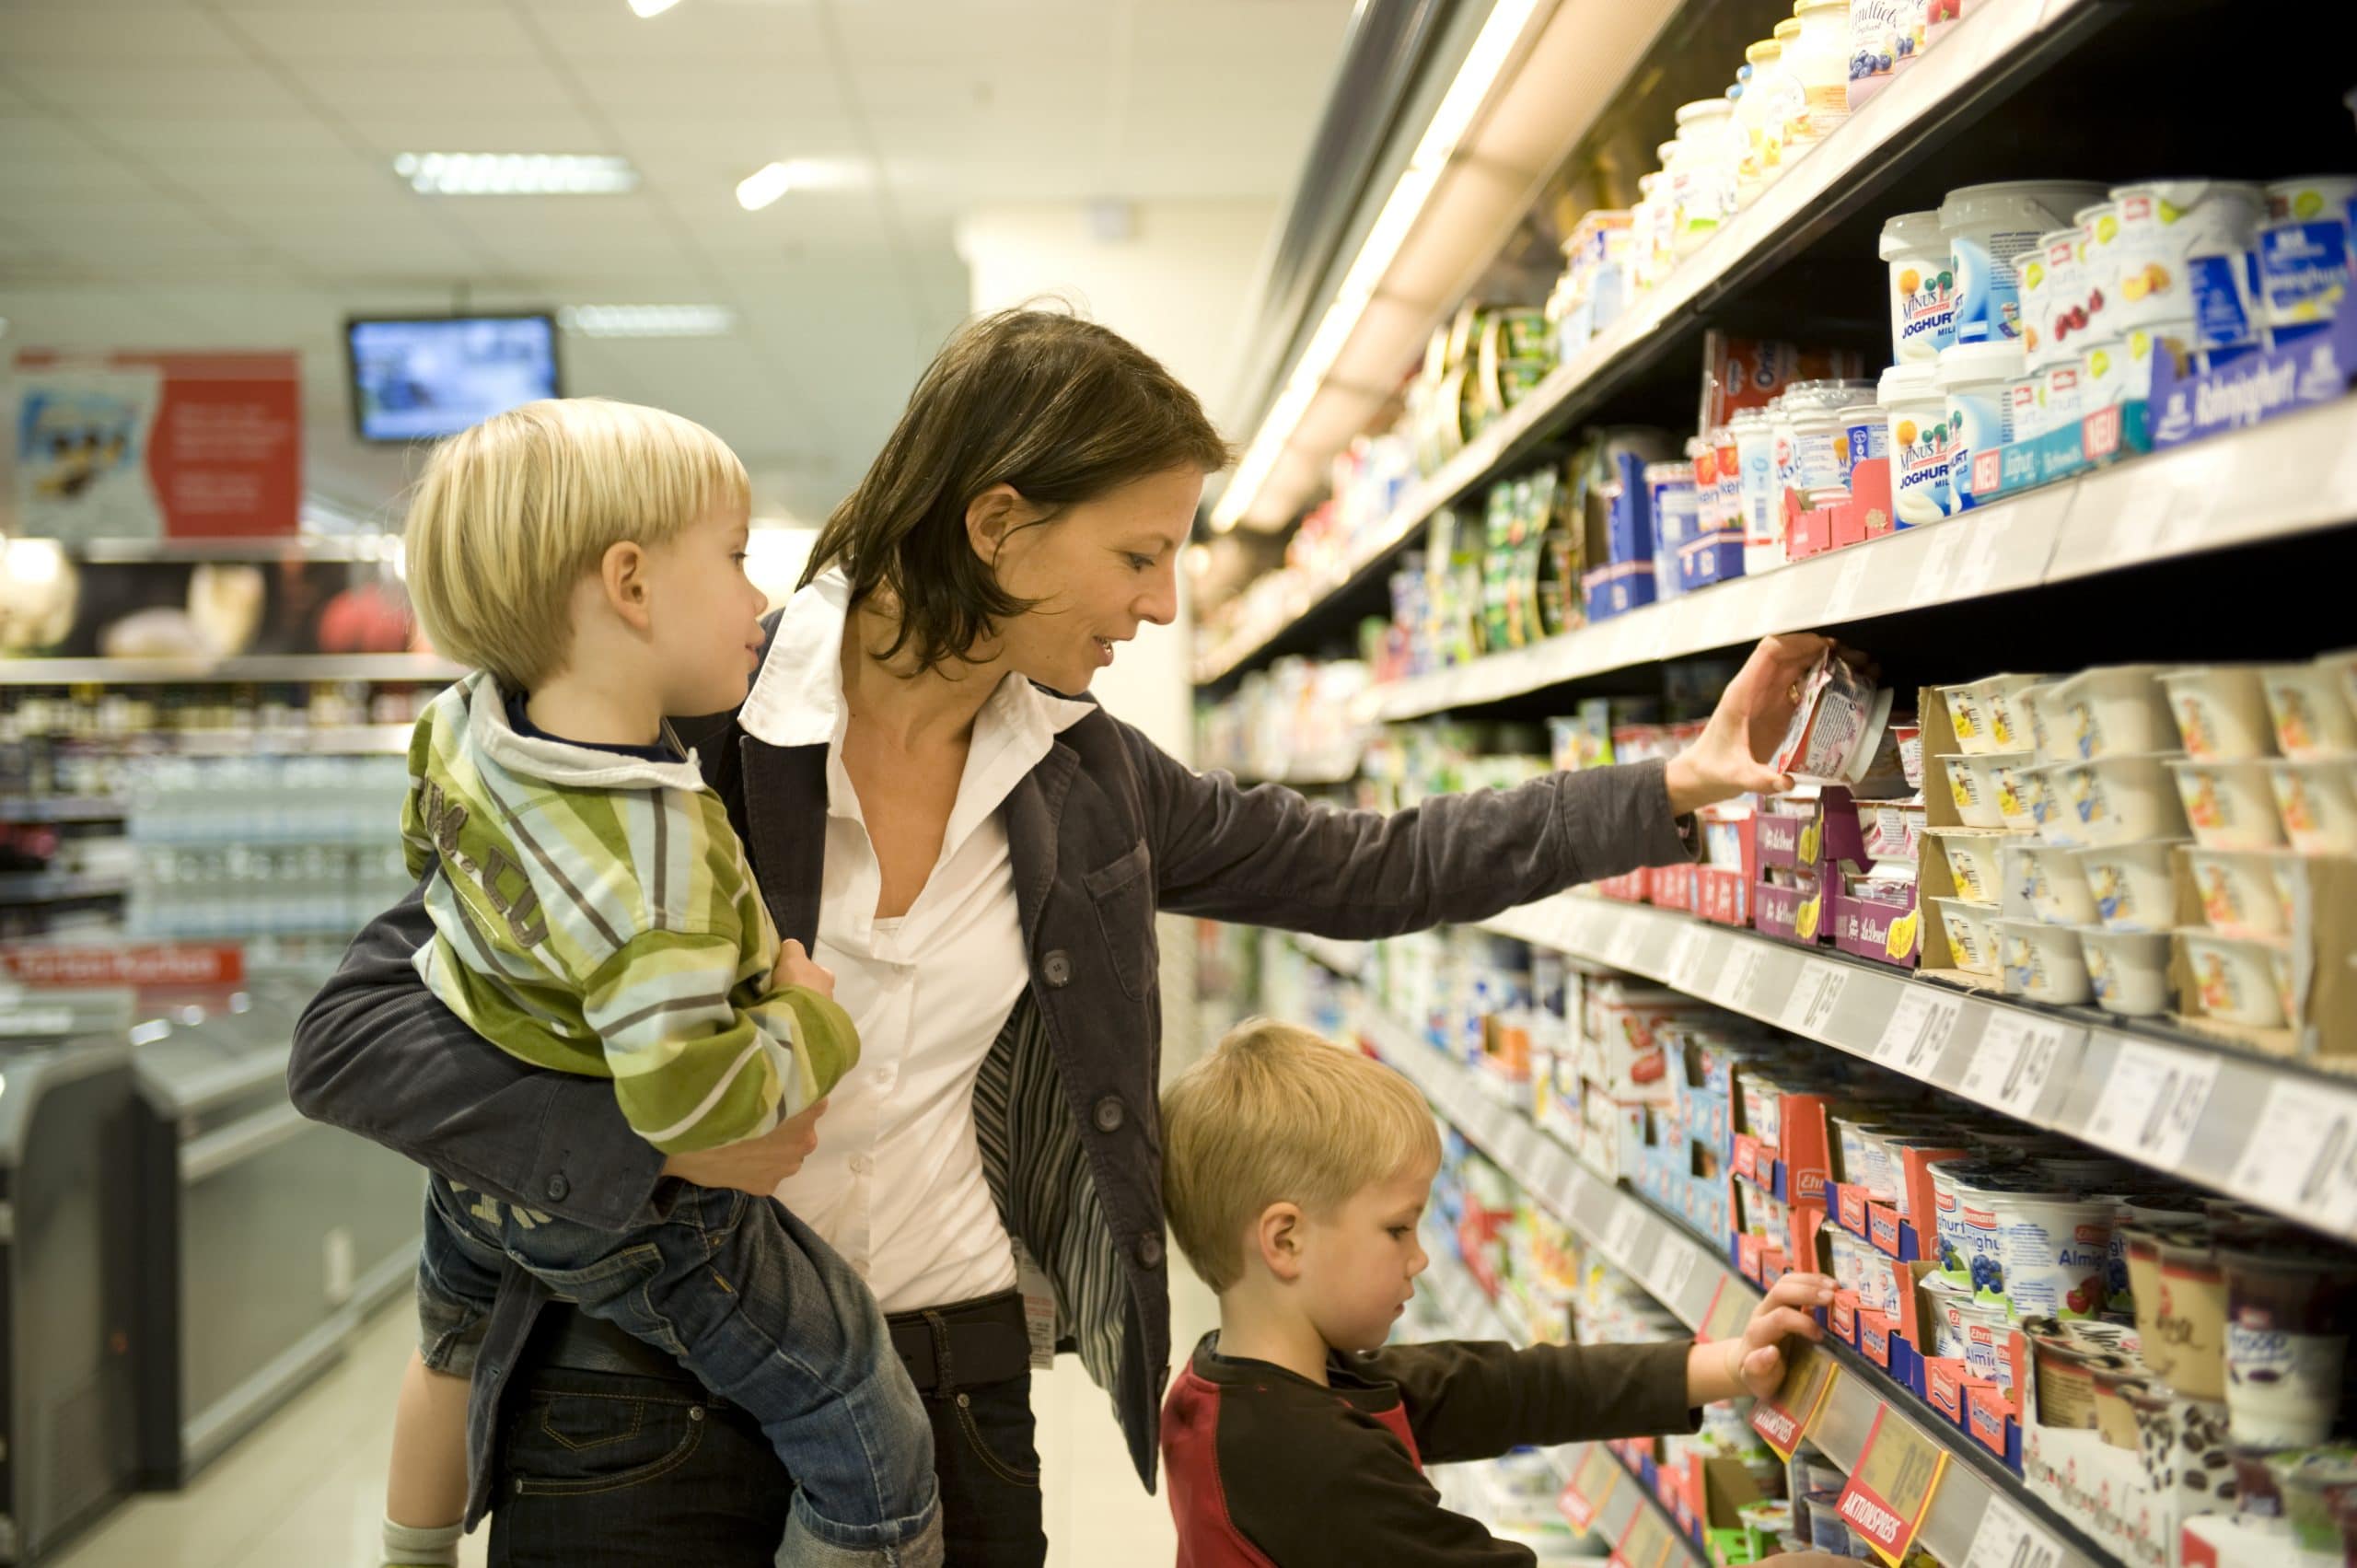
{"x": 2007, "y": 1539}
{"x": 1686, "y": 956}
{"x": 2153, "y": 1100}
{"x": 2302, "y": 1156}
{"x": 2016, "y": 1058}
{"x": 1919, "y": 1030}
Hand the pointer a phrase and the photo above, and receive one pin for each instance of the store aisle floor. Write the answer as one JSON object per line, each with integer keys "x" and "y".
{"x": 307, "y": 1490}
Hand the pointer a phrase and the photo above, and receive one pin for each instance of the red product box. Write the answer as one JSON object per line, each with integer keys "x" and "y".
{"x": 1875, "y": 1332}
{"x": 1670, "y": 887}
{"x": 1629, "y": 888}
{"x": 1843, "y": 1319}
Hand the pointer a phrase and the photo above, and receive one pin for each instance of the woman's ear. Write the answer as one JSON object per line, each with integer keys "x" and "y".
{"x": 1277, "y": 1237}
{"x": 992, "y": 516}
{"x": 621, "y": 573}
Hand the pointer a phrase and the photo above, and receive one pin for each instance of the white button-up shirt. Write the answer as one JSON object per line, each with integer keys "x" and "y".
{"x": 895, "y": 1185}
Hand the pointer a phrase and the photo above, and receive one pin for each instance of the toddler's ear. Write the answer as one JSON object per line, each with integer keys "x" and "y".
{"x": 1277, "y": 1238}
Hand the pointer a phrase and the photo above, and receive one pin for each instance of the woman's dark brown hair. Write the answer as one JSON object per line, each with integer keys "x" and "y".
{"x": 1061, "y": 409}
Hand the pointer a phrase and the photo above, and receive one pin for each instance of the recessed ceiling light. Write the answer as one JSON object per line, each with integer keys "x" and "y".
{"x": 652, "y": 7}
{"x": 516, "y": 174}
{"x": 763, "y": 186}
{"x": 647, "y": 321}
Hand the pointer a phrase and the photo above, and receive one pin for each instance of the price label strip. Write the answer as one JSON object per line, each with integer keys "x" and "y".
{"x": 2302, "y": 1157}
{"x": 2008, "y": 1538}
{"x": 1628, "y": 1229}
{"x": 2152, "y": 1101}
{"x": 1591, "y": 1486}
{"x": 1740, "y": 978}
{"x": 1672, "y": 1269}
{"x": 1646, "y": 1543}
{"x": 1934, "y": 578}
{"x": 1847, "y": 587}
{"x": 1919, "y": 1028}
{"x": 1785, "y": 1419}
{"x": 2018, "y": 1055}
{"x": 1832, "y": 982}
{"x": 1686, "y": 956}
{"x": 1731, "y": 1308}
{"x": 1802, "y": 1004}
{"x": 1890, "y": 1490}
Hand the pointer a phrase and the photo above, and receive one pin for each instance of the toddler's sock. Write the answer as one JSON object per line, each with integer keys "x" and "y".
{"x": 420, "y": 1546}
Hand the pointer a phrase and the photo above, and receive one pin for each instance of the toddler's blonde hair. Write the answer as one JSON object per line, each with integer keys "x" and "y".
{"x": 1278, "y": 1114}
{"x": 514, "y": 511}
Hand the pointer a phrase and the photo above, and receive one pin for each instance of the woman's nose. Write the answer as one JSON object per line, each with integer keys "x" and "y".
{"x": 1160, "y": 603}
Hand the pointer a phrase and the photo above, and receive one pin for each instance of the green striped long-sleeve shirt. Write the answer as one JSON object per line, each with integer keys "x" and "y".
{"x": 594, "y": 913}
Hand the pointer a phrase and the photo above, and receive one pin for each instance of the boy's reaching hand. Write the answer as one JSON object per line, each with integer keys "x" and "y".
{"x": 1758, "y": 1357}
{"x": 795, "y": 966}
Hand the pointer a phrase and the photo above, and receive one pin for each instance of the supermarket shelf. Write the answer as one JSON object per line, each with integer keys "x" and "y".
{"x": 1308, "y": 773}
{"x": 2249, "y": 1126}
{"x": 57, "y": 888}
{"x": 1687, "y": 1277}
{"x": 2289, "y": 477}
{"x": 327, "y": 740}
{"x": 2001, "y": 40}
{"x": 27, "y": 808}
{"x": 363, "y": 547}
{"x": 291, "y": 667}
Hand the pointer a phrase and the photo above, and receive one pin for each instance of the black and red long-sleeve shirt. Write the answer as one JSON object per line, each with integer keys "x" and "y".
{"x": 1268, "y": 1470}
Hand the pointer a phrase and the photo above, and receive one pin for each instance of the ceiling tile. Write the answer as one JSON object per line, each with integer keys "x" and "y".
{"x": 370, "y": 35}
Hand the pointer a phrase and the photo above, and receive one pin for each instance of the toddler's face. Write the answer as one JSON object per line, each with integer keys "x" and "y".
{"x": 1360, "y": 1263}
{"x": 706, "y": 614}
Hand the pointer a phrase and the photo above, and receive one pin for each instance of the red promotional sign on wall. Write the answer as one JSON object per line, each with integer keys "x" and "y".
{"x": 149, "y": 446}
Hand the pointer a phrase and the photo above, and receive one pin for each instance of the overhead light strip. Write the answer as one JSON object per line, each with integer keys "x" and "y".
{"x": 516, "y": 174}
{"x": 647, "y": 321}
{"x": 1501, "y": 34}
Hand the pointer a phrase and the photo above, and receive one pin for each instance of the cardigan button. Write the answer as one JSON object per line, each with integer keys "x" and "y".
{"x": 1110, "y": 1114}
{"x": 1057, "y": 969}
{"x": 1149, "y": 1251}
{"x": 558, "y": 1187}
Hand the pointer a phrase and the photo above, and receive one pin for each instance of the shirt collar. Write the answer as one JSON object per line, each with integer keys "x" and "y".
{"x": 560, "y": 761}
{"x": 798, "y": 698}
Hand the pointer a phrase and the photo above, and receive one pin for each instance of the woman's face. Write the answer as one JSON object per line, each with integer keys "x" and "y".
{"x": 1097, "y": 571}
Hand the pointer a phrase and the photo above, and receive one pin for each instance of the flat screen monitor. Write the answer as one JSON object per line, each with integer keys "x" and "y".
{"x": 417, "y": 378}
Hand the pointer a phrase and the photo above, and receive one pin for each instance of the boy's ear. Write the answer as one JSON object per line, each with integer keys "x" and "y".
{"x": 1277, "y": 1237}
{"x": 621, "y": 573}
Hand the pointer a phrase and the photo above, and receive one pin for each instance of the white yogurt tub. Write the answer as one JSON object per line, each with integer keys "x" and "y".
{"x": 1968, "y": 716}
{"x": 2309, "y": 709}
{"x": 1972, "y": 938}
{"x": 2221, "y": 712}
{"x": 2060, "y": 403}
{"x": 2229, "y": 805}
{"x": 2019, "y": 792}
{"x": 1917, "y": 411}
{"x": 1763, "y": 518}
{"x": 1977, "y": 786}
{"x": 2240, "y": 893}
{"x": 2130, "y": 970}
{"x": 2234, "y": 978}
{"x": 1989, "y": 229}
{"x": 1967, "y": 1246}
{"x": 2310, "y": 196}
{"x": 2043, "y": 962}
{"x": 2058, "y": 885}
{"x": 2054, "y": 296}
{"x": 2057, "y": 1250}
{"x": 1885, "y": 36}
{"x": 1866, "y": 432}
{"x": 2113, "y": 710}
{"x": 2026, "y": 406}
{"x": 2028, "y": 706}
{"x": 2185, "y": 250}
{"x": 2317, "y": 802}
{"x": 2135, "y": 885}
{"x": 1973, "y": 377}
{"x": 1922, "y": 292}
{"x": 2302, "y": 276}
{"x": 2119, "y": 369}
{"x": 2113, "y": 800}
{"x": 1971, "y": 855}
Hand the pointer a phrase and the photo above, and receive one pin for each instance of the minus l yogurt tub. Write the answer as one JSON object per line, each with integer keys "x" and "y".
{"x": 1917, "y": 414}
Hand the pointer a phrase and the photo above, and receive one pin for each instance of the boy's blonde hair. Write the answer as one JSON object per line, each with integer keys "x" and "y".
{"x": 1278, "y": 1114}
{"x": 514, "y": 511}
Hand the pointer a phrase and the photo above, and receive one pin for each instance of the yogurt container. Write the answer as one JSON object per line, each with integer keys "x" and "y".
{"x": 1964, "y": 1224}
{"x": 2317, "y": 804}
{"x": 2187, "y": 249}
{"x": 2310, "y": 710}
{"x": 1972, "y": 784}
{"x": 2059, "y": 399}
{"x": 2004, "y": 719}
{"x": 2318, "y": 1488}
{"x": 2302, "y": 276}
{"x": 2112, "y": 711}
{"x": 1973, "y": 376}
{"x": 2310, "y": 196}
{"x": 2132, "y": 884}
{"x": 1817, "y": 70}
{"x": 2234, "y": 978}
{"x": 2288, "y": 1319}
{"x": 2229, "y": 805}
{"x": 2130, "y": 970}
{"x": 2055, "y": 317}
{"x": 1763, "y": 518}
{"x": 2189, "y": 1316}
{"x": 1754, "y": 117}
{"x": 2117, "y": 370}
{"x": 1823, "y": 448}
{"x": 2026, "y": 406}
{"x": 1989, "y": 229}
{"x": 1988, "y": 1335}
{"x": 2058, "y": 885}
{"x": 1972, "y": 860}
{"x": 2240, "y": 893}
{"x": 1922, "y": 292}
{"x": 2112, "y": 800}
{"x": 2056, "y": 1245}
{"x": 2221, "y": 712}
{"x": 2044, "y": 963}
{"x": 1971, "y": 933}
{"x": 1866, "y": 434}
{"x": 1885, "y": 36}
{"x": 1916, "y": 412}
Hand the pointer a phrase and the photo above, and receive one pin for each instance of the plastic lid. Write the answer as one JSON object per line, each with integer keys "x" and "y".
{"x": 1767, "y": 49}
{"x": 1747, "y": 419}
{"x": 1788, "y": 29}
{"x": 1912, "y": 231}
{"x": 1964, "y": 364}
{"x": 2085, "y": 216}
{"x": 1856, "y": 411}
{"x": 2053, "y": 236}
{"x": 1669, "y": 473}
{"x": 2057, "y": 195}
{"x": 2184, "y": 193}
{"x": 1702, "y": 109}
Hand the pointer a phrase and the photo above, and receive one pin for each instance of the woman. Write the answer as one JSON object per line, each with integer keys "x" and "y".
{"x": 980, "y": 860}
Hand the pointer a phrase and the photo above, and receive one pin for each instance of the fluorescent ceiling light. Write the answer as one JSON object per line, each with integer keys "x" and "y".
{"x": 647, "y": 321}
{"x": 516, "y": 174}
{"x": 652, "y": 7}
{"x": 1443, "y": 138}
{"x": 763, "y": 186}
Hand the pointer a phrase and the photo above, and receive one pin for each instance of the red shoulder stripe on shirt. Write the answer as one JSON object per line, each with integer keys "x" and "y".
{"x": 1207, "y": 1537}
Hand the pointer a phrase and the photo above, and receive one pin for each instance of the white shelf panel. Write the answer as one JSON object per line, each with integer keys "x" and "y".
{"x": 272, "y": 669}
{"x": 1997, "y": 36}
{"x": 2217, "y": 1118}
{"x": 2292, "y": 476}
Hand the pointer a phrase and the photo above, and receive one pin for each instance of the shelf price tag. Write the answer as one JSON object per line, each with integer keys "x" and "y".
{"x": 1620, "y": 947}
{"x": 2007, "y": 1539}
{"x": 1891, "y": 1488}
{"x": 1673, "y": 1266}
{"x": 1814, "y": 998}
{"x": 1646, "y": 1543}
{"x": 1628, "y": 1228}
{"x": 1983, "y": 556}
{"x": 1686, "y": 956}
{"x": 1934, "y": 578}
{"x": 2152, "y": 1102}
{"x": 1843, "y": 598}
{"x": 1730, "y": 1309}
{"x": 2018, "y": 1055}
{"x": 1919, "y": 1030}
{"x": 2302, "y": 1157}
{"x": 1591, "y": 1485}
{"x": 1785, "y": 1418}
